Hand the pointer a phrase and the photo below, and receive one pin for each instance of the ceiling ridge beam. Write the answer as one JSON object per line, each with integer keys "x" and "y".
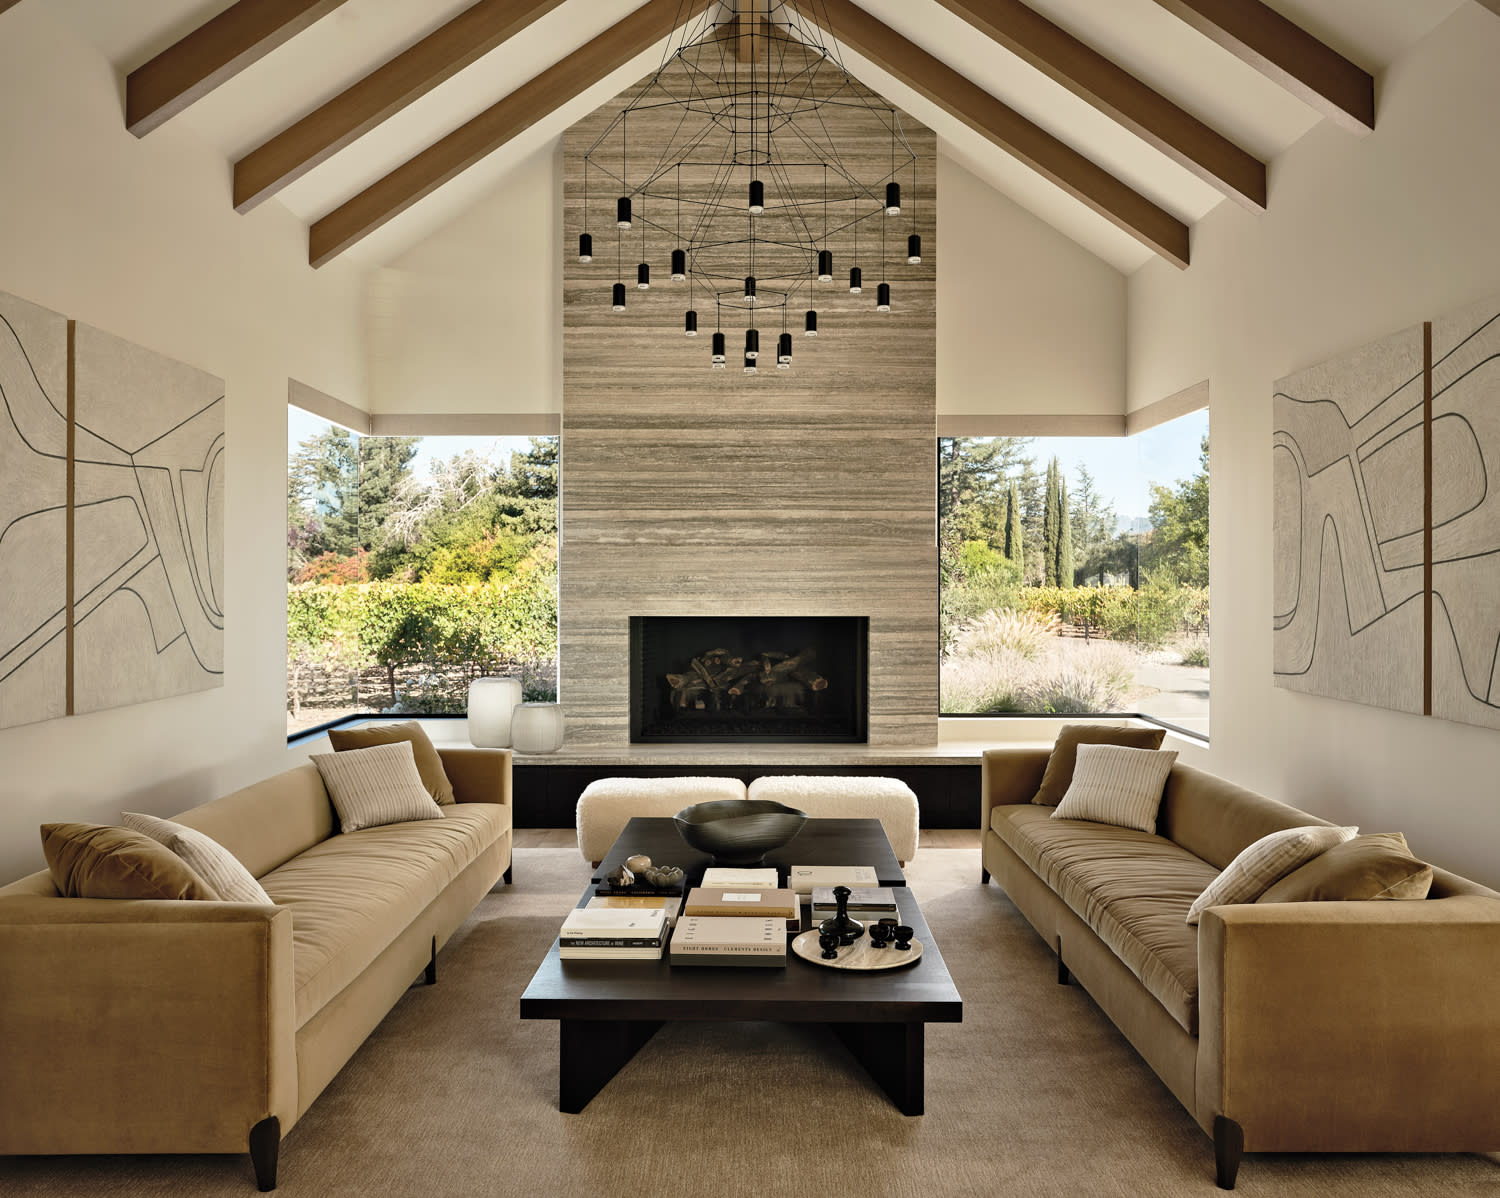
{"x": 1118, "y": 94}
{"x": 1055, "y": 161}
{"x": 385, "y": 91}
{"x": 1283, "y": 51}
{"x": 215, "y": 52}
{"x": 450, "y": 156}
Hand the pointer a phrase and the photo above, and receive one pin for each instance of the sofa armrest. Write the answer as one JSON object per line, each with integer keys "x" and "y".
{"x": 478, "y": 775}
{"x": 1352, "y": 1027}
{"x": 1009, "y": 776}
{"x": 144, "y": 1026}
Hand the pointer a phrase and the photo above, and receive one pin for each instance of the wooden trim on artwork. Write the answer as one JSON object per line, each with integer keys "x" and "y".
{"x": 68, "y": 537}
{"x": 1082, "y": 424}
{"x": 1427, "y": 517}
{"x": 1180, "y": 403}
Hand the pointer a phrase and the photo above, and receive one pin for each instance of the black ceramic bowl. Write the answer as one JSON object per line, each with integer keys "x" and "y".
{"x": 738, "y": 831}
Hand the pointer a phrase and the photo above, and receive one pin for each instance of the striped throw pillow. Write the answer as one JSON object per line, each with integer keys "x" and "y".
{"x": 207, "y": 858}
{"x": 1260, "y": 865}
{"x": 374, "y": 786}
{"x": 1115, "y": 785}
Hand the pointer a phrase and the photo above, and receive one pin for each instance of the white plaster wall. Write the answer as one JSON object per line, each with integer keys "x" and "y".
{"x": 1029, "y": 322}
{"x": 1362, "y": 237}
{"x": 470, "y": 320}
{"x": 139, "y": 238}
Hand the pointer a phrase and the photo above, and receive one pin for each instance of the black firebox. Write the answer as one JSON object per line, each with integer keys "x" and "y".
{"x": 795, "y": 679}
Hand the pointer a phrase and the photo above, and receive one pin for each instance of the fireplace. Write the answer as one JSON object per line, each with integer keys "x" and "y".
{"x": 795, "y": 679}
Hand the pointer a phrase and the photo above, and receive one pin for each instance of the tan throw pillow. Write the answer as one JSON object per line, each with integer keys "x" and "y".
{"x": 1377, "y": 865}
{"x": 429, "y": 764}
{"x": 1059, "y": 773}
{"x": 1115, "y": 785}
{"x": 1265, "y": 862}
{"x": 204, "y": 855}
{"x": 374, "y": 786}
{"x": 96, "y": 861}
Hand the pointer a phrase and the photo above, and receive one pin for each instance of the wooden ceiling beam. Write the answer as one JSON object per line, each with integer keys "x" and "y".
{"x": 381, "y": 94}
{"x": 216, "y": 51}
{"x": 1119, "y": 95}
{"x": 4, "y": 4}
{"x": 449, "y": 157}
{"x": 1055, "y": 161}
{"x": 1492, "y": 5}
{"x": 1285, "y": 52}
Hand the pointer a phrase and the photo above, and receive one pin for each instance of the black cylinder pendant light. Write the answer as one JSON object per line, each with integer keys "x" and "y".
{"x": 679, "y": 265}
{"x": 585, "y": 247}
{"x": 784, "y": 352}
{"x": 751, "y": 367}
{"x": 619, "y": 303}
{"x": 750, "y": 289}
{"x": 825, "y": 266}
{"x": 914, "y": 249}
{"x": 812, "y": 323}
{"x": 757, "y": 197}
{"x": 752, "y": 343}
{"x": 856, "y": 280}
{"x": 690, "y": 323}
{"x": 883, "y": 298}
{"x": 622, "y": 212}
{"x": 718, "y": 355}
{"x": 643, "y": 277}
{"x": 893, "y": 199}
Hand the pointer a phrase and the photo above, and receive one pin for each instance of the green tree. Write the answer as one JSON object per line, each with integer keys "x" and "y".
{"x": 1093, "y": 522}
{"x": 383, "y": 463}
{"x": 1064, "y": 536}
{"x": 324, "y": 475}
{"x": 1179, "y": 528}
{"x": 971, "y": 478}
{"x": 533, "y": 471}
{"x": 1015, "y": 536}
{"x": 1031, "y": 488}
{"x": 1050, "y": 529}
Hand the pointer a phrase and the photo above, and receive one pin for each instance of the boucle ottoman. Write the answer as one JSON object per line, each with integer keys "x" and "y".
{"x": 842, "y": 797}
{"x": 608, "y": 804}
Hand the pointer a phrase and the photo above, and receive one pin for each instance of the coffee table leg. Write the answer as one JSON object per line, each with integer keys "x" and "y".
{"x": 892, "y": 1054}
{"x": 590, "y": 1052}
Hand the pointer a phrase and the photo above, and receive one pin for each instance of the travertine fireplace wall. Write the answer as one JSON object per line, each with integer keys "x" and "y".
{"x": 688, "y": 491}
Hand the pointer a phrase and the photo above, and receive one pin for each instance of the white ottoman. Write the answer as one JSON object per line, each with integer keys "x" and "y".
{"x": 608, "y": 804}
{"x": 843, "y": 797}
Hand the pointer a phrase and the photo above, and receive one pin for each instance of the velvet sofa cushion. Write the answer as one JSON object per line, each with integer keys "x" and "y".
{"x": 429, "y": 764}
{"x": 205, "y": 856}
{"x": 376, "y": 786}
{"x": 99, "y": 862}
{"x": 1377, "y": 865}
{"x": 1059, "y": 773}
{"x": 1114, "y": 784}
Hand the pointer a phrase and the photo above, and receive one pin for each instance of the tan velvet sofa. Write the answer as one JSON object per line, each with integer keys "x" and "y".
{"x": 1281, "y": 1027}
{"x": 210, "y": 1026}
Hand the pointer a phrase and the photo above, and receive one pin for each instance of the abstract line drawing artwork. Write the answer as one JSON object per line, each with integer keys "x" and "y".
{"x": 33, "y": 512}
{"x": 1466, "y": 516}
{"x": 1348, "y": 555}
{"x": 148, "y": 499}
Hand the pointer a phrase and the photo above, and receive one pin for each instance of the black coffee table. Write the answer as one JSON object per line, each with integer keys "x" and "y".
{"x": 820, "y": 842}
{"x": 607, "y": 1010}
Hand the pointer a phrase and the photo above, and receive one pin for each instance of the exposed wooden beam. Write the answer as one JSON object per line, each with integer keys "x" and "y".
{"x": 1281, "y": 50}
{"x": 216, "y": 51}
{"x": 4, "y": 4}
{"x": 444, "y": 160}
{"x": 381, "y": 94}
{"x": 1492, "y": 5}
{"x": 1060, "y": 164}
{"x": 1146, "y": 113}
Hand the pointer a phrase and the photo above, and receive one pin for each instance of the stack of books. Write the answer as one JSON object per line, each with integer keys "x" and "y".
{"x": 805, "y": 877}
{"x": 722, "y": 877}
{"x": 867, "y": 904}
{"x": 753, "y": 904}
{"x": 613, "y": 934}
{"x": 671, "y": 904}
{"x": 729, "y": 940}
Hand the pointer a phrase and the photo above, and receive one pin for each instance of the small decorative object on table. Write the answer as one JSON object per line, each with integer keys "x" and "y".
{"x": 841, "y": 925}
{"x": 864, "y": 954}
{"x": 738, "y": 831}
{"x": 653, "y": 880}
{"x": 537, "y": 728}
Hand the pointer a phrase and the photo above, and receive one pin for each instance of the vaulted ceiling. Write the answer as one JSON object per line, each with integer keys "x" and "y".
{"x": 1119, "y": 122}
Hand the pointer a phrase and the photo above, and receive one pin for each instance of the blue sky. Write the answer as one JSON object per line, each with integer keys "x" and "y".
{"x": 300, "y": 425}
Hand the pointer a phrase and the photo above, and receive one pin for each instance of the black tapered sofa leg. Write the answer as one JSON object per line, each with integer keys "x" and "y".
{"x": 1229, "y": 1147}
{"x": 265, "y": 1149}
{"x": 431, "y": 975}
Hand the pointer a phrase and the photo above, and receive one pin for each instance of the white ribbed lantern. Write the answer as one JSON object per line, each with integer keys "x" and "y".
{"x": 537, "y": 728}
{"x": 491, "y": 702}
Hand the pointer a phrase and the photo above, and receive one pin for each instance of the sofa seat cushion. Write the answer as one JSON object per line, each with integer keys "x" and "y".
{"x": 1132, "y": 888}
{"x": 354, "y": 893}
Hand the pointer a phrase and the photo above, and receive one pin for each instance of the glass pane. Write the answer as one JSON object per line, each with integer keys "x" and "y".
{"x": 1075, "y": 574}
{"x": 415, "y": 564}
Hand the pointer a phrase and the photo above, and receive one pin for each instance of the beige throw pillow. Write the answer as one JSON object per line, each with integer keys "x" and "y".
{"x": 99, "y": 862}
{"x": 429, "y": 764}
{"x": 204, "y": 855}
{"x": 1265, "y": 862}
{"x": 374, "y": 786}
{"x": 1115, "y": 785}
{"x": 1059, "y": 773}
{"x": 1377, "y": 865}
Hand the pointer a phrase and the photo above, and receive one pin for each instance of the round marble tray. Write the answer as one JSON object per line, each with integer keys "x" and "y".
{"x": 858, "y": 955}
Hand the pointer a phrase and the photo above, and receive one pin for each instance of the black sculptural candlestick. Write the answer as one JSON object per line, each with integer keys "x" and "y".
{"x": 841, "y": 925}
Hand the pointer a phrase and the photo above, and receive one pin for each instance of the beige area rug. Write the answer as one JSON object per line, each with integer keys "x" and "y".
{"x": 1035, "y": 1093}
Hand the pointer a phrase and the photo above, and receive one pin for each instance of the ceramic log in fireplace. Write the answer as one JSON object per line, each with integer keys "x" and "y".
{"x": 748, "y": 678}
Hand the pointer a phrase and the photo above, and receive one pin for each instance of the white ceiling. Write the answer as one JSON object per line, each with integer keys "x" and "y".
{"x": 1139, "y": 35}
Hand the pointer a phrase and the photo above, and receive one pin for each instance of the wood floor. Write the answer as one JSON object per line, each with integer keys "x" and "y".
{"x": 567, "y": 838}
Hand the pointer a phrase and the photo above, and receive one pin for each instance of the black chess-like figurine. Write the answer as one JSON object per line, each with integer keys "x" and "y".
{"x": 841, "y": 925}
{"x": 879, "y": 932}
{"x": 903, "y": 937}
{"x": 830, "y": 944}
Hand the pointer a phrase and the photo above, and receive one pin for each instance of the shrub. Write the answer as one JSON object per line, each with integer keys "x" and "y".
{"x": 1024, "y": 633}
{"x": 1092, "y": 678}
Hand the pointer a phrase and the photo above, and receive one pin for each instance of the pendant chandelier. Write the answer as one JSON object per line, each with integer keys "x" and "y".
{"x": 753, "y": 160}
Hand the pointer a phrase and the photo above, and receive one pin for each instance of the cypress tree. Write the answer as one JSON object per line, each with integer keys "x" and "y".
{"x": 1064, "y": 537}
{"x": 1050, "y": 528}
{"x": 1015, "y": 538}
